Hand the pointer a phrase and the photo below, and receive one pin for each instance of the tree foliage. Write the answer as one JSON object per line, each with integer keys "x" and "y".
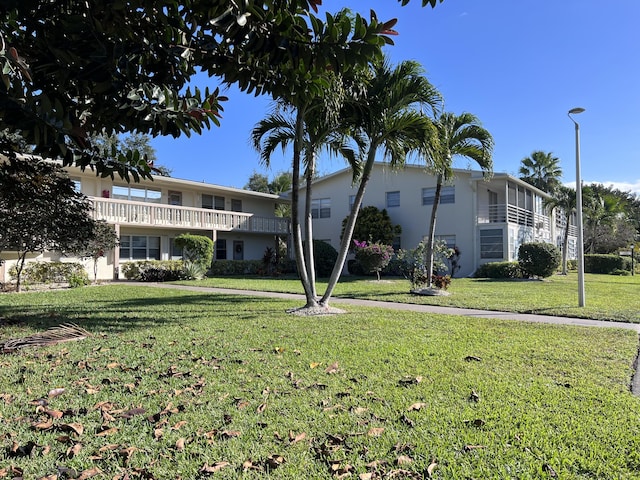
{"x": 40, "y": 210}
{"x": 373, "y": 225}
{"x": 542, "y": 170}
{"x": 458, "y": 136}
{"x": 71, "y": 69}
{"x": 103, "y": 240}
{"x": 538, "y": 259}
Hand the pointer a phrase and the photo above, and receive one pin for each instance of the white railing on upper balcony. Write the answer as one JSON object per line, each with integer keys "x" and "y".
{"x": 159, "y": 215}
{"x": 511, "y": 214}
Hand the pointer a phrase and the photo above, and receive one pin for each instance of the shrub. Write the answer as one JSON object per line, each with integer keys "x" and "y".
{"x": 324, "y": 256}
{"x": 620, "y": 272}
{"x": 196, "y": 249}
{"x": 153, "y": 270}
{"x": 499, "y": 270}
{"x": 598, "y": 263}
{"x": 441, "y": 281}
{"x": 373, "y": 257}
{"x": 53, "y": 272}
{"x": 539, "y": 259}
{"x": 193, "y": 271}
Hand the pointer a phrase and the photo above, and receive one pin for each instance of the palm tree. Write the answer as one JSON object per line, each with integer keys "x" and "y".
{"x": 390, "y": 119}
{"x": 310, "y": 129}
{"x": 459, "y": 135}
{"x": 564, "y": 198}
{"x": 542, "y": 170}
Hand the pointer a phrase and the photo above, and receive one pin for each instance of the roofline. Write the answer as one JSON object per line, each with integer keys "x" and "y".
{"x": 477, "y": 178}
{"x": 174, "y": 180}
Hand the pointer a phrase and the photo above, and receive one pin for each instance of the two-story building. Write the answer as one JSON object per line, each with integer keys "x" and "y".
{"x": 486, "y": 219}
{"x": 148, "y": 215}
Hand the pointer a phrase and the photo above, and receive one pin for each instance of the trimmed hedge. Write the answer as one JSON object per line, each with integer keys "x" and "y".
{"x": 607, "y": 264}
{"x": 53, "y": 272}
{"x": 153, "y": 270}
{"x": 324, "y": 256}
{"x": 499, "y": 270}
{"x": 248, "y": 267}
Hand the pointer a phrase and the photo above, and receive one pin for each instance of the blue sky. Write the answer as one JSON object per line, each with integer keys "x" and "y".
{"x": 518, "y": 65}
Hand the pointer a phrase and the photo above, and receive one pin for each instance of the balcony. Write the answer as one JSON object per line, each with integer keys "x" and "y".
{"x": 144, "y": 214}
{"x": 512, "y": 214}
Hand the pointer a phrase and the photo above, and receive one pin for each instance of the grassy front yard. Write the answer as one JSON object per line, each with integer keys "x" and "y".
{"x": 176, "y": 384}
{"x": 608, "y": 297}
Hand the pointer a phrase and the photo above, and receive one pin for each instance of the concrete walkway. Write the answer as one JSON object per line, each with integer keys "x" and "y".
{"x": 467, "y": 312}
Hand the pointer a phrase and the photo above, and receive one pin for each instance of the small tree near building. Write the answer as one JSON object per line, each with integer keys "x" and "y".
{"x": 40, "y": 210}
{"x": 373, "y": 257}
{"x": 104, "y": 240}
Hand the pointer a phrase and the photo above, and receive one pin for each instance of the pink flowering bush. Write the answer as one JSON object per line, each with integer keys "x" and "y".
{"x": 373, "y": 257}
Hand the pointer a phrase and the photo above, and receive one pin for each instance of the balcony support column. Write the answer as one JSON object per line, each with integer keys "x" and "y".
{"x": 116, "y": 255}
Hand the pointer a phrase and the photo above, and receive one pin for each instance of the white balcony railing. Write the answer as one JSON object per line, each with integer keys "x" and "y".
{"x": 159, "y": 215}
{"x": 512, "y": 214}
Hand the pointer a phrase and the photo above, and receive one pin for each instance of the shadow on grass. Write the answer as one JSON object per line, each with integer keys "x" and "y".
{"x": 121, "y": 315}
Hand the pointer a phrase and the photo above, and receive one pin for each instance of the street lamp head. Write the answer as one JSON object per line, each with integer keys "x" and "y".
{"x": 576, "y": 110}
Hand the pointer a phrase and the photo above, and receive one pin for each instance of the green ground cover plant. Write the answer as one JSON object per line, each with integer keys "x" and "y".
{"x": 608, "y": 297}
{"x": 175, "y": 384}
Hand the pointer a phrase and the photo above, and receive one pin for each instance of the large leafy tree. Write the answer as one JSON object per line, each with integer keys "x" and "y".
{"x": 542, "y": 170}
{"x": 389, "y": 117}
{"x": 373, "y": 225}
{"x": 40, "y": 210}
{"x": 563, "y": 199}
{"x": 609, "y": 221}
{"x": 458, "y": 136}
{"x": 71, "y": 69}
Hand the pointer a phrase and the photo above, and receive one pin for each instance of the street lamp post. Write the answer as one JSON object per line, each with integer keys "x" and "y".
{"x": 581, "y": 302}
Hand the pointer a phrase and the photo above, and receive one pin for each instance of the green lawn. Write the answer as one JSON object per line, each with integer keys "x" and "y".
{"x": 608, "y": 297}
{"x": 176, "y": 384}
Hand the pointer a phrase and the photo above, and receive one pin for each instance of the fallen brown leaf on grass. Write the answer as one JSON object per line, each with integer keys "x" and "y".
{"x": 416, "y": 406}
{"x": 333, "y": 368}
{"x": 216, "y": 467}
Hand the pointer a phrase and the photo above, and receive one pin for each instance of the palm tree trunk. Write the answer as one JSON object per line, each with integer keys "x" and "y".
{"x": 432, "y": 231}
{"x": 349, "y": 227}
{"x": 308, "y": 223}
{"x": 295, "y": 203}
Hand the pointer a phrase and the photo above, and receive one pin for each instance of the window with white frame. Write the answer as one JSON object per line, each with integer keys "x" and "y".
{"x": 139, "y": 247}
{"x": 321, "y": 208}
{"x": 352, "y": 200}
{"x": 447, "y": 195}
{"x": 136, "y": 194}
{"x": 218, "y": 202}
{"x": 491, "y": 243}
{"x": 393, "y": 199}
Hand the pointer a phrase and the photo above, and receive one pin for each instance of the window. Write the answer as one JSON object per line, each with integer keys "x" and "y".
{"x": 352, "y": 200}
{"x": 207, "y": 201}
{"x": 393, "y": 199}
{"x": 447, "y": 195}
{"x": 136, "y": 194}
{"x": 450, "y": 240}
{"x": 236, "y": 205}
{"x": 139, "y": 247}
{"x": 176, "y": 252}
{"x": 212, "y": 202}
{"x": 175, "y": 198}
{"x": 396, "y": 243}
{"x": 221, "y": 249}
{"x": 321, "y": 208}
{"x": 491, "y": 243}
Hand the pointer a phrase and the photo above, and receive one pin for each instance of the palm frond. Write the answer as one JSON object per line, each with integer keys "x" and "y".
{"x": 66, "y": 332}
